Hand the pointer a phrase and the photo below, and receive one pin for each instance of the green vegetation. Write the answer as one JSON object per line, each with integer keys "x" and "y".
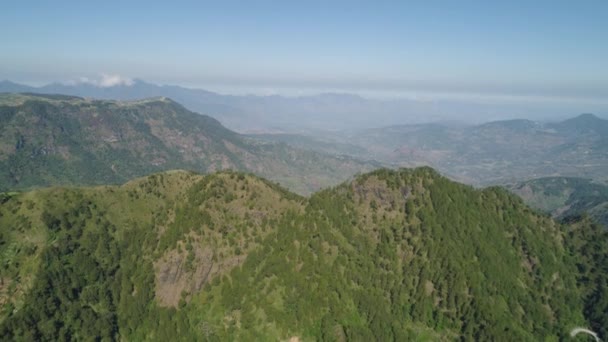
{"x": 565, "y": 197}
{"x": 587, "y": 240}
{"x": 49, "y": 140}
{"x": 392, "y": 255}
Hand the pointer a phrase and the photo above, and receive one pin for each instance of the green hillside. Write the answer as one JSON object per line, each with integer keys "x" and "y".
{"x": 564, "y": 197}
{"x": 49, "y": 140}
{"x": 392, "y": 255}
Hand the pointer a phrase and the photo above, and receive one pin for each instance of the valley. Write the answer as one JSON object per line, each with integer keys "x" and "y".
{"x": 493, "y": 153}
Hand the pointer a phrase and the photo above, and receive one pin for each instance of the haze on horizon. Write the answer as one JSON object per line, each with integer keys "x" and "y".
{"x": 551, "y": 51}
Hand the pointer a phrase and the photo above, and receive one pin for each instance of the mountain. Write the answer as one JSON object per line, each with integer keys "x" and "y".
{"x": 195, "y": 99}
{"x": 564, "y": 197}
{"x": 245, "y": 113}
{"x": 303, "y": 114}
{"x": 390, "y": 255}
{"x": 7, "y": 86}
{"x": 496, "y": 152}
{"x": 582, "y": 124}
{"x": 59, "y": 140}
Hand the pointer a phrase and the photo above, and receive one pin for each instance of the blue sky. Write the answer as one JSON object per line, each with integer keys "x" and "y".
{"x": 531, "y": 48}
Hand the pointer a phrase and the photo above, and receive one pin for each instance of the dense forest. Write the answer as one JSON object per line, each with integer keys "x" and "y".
{"x": 391, "y": 255}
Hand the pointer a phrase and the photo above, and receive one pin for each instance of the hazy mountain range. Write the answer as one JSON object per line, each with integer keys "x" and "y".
{"x": 303, "y": 114}
{"x": 50, "y": 140}
{"x": 496, "y": 152}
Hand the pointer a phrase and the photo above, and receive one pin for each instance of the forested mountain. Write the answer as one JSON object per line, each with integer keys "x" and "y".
{"x": 391, "y": 255}
{"x": 57, "y": 140}
{"x": 565, "y": 197}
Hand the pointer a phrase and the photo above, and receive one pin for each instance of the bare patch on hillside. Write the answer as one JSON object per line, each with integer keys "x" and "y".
{"x": 176, "y": 276}
{"x": 4, "y": 293}
{"x": 429, "y": 288}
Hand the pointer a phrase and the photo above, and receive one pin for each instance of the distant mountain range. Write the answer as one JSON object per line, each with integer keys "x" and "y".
{"x": 326, "y": 112}
{"x": 499, "y": 152}
{"x": 496, "y": 152}
{"x": 64, "y": 140}
{"x": 246, "y": 113}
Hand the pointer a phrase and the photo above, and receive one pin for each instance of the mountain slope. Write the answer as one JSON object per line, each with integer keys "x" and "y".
{"x": 564, "y": 197}
{"x": 80, "y": 263}
{"x": 56, "y": 139}
{"x": 392, "y": 255}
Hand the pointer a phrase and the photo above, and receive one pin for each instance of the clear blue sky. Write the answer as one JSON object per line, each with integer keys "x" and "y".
{"x": 554, "y": 48}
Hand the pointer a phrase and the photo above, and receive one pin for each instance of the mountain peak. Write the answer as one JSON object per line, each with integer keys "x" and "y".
{"x": 587, "y": 116}
{"x": 583, "y": 124}
{"x": 583, "y": 118}
{"x": 586, "y": 122}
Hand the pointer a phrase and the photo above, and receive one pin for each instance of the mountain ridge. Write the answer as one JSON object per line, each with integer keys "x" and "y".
{"x": 392, "y": 254}
{"x": 54, "y": 139}
{"x": 294, "y": 114}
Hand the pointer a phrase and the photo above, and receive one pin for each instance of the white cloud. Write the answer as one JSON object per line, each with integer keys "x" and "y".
{"x": 114, "y": 80}
{"x": 104, "y": 81}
